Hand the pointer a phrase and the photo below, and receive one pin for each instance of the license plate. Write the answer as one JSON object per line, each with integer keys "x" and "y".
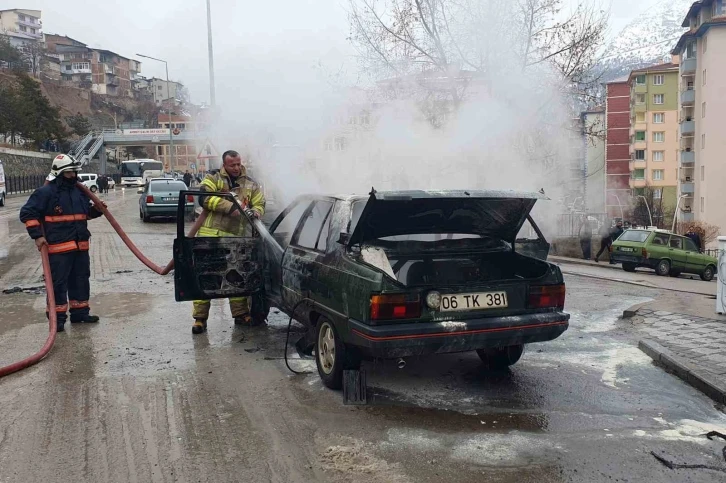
{"x": 624, "y": 249}
{"x": 170, "y": 199}
{"x": 473, "y": 301}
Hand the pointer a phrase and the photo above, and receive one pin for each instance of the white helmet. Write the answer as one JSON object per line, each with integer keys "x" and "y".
{"x": 64, "y": 162}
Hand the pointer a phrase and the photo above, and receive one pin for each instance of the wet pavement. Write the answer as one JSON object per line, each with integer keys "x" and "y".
{"x": 138, "y": 398}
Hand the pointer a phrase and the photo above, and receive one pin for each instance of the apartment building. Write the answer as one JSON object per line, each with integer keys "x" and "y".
{"x": 102, "y": 71}
{"x": 617, "y": 148}
{"x": 21, "y": 26}
{"x": 702, "y": 107}
{"x": 163, "y": 91}
{"x": 594, "y": 169}
{"x": 654, "y": 141}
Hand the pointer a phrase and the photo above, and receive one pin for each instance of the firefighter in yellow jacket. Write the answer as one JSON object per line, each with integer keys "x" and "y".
{"x": 225, "y": 220}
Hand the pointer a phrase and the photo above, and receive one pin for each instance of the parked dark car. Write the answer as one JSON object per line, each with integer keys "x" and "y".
{"x": 160, "y": 197}
{"x": 393, "y": 275}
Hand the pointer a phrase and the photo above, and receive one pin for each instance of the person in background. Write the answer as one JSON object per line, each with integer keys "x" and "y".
{"x": 585, "y": 233}
{"x": 102, "y": 183}
{"x": 188, "y": 179}
{"x": 696, "y": 238}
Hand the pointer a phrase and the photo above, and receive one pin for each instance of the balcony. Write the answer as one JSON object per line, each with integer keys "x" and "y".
{"x": 642, "y": 107}
{"x": 687, "y": 188}
{"x": 688, "y": 157}
{"x": 108, "y": 69}
{"x": 688, "y": 97}
{"x": 30, "y": 22}
{"x": 688, "y": 66}
{"x": 640, "y": 88}
{"x": 687, "y": 216}
{"x": 112, "y": 81}
{"x": 688, "y": 128}
{"x": 637, "y": 164}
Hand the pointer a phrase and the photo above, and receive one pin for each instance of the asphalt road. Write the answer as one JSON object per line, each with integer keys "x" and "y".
{"x": 137, "y": 398}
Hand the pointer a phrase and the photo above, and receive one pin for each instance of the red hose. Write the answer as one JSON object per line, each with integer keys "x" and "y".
{"x": 52, "y": 317}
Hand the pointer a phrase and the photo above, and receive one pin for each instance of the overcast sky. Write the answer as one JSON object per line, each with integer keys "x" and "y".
{"x": 249, "y": 36}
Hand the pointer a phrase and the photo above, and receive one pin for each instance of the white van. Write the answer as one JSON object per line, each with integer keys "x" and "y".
{"x": 90, "y": 180}
{"x": 3, "y": 191}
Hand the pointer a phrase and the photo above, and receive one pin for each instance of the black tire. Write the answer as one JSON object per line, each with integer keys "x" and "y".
{"x": 501, "y": 357}
{"x": 141, "y": 214}
{"x": 663, "y": 268}
{"x": 707, "y": 274}
{"x": 2, "y": 200}
{"x": 146, "y": 218}
{"x": 331, "y": 356}
{"x": 629, "y": 267}
{"x": 675, "y": 273}
{"x": 94, "y": 189}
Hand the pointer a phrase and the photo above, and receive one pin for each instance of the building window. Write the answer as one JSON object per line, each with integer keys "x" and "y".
{"x": 640, "y": 135}
{"x": 703, "y": 141}
{"x": 340, "y": 144}
{"x": 691, "y": 50}
{"x": 640, "y": 80}
{"x": 365, "y": 118}
{"x": 639, "y": 117}
{"x": 659, "y": 137}
{"x": 658, "y": 156}
{"x": 658, "y": 98}
{"x": 703, "y": 204}
{"x": 33, "y": 31}
{"x": 638, "y": 174}
{"x": 705, "y": 39}
{"x": 640, "y": 154}
{"x": 703, "y": 109}
{"x": 703, "y": 173}
{"x": 704, "y": 77}
{"x": 658, "y": 175}
{"x": 640, "y": 98}
{"x": 23, "y": 28}
{"x": 658, "y": 117}
{"x": 658, "y": 79}
{"x": 657, "y": 193}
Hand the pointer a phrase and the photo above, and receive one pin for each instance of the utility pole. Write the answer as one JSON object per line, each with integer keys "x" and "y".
{"x": 212, "y": 99}
{"x": 172, "y": 163}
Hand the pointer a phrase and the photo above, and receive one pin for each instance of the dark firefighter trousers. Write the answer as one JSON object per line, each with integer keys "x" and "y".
{"x": 71, "y": 272}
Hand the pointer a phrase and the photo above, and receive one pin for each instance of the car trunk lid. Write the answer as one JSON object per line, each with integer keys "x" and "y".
{"x": 493, "y": 214}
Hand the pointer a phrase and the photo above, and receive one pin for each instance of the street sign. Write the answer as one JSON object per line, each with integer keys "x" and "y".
{"x": 208, "y": 151}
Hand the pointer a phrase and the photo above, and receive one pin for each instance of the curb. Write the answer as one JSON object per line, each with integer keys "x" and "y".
{"x": 698, "y": 378}
{"x": 632, "y": 311}
{"x": 577, "y": 261}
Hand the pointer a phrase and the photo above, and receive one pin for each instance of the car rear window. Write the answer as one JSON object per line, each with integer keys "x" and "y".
{"x": 634, "y": 236}
{"x": 159, "y": 186}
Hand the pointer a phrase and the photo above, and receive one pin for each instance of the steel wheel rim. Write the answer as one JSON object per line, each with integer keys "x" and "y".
{"x": 326, "y": 348}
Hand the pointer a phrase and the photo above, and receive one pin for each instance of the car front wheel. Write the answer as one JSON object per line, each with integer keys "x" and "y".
{"x": 330, "y": 355}
{"x": 707, "y": 274}
{"x": 501, "y": 357}
{"x": 629, "y": 267}
{"x": 94, "y": 189}
{"x": 663, "y": 268}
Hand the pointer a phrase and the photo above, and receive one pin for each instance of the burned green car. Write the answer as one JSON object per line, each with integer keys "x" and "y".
{"x": 395, "y": 274}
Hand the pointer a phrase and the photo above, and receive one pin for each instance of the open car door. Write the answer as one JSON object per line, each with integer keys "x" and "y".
{"x": 214, "y": 267}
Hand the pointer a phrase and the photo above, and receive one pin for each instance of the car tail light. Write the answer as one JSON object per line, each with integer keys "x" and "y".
{"x": 644, "y": 252}
{"x": 190, "y": 199}
{"x": 149, "y": 199}
{"x": 398, "y": 306}
{"x": 546, "y": 296}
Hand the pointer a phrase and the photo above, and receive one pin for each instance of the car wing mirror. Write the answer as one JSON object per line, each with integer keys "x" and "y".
{"x": 344, "y": 238}
{"x": 141, "y": 190}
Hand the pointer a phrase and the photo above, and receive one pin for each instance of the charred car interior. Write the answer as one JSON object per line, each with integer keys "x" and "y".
{"x": 391, "y": 275}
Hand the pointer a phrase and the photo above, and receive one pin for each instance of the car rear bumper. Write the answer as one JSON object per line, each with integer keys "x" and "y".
{"x": 636, "y": 259}
{"x": 166, "y": 210}
{"x": 403, "y": 340}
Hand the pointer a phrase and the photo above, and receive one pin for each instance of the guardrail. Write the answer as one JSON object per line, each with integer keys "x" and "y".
{"x": 23, "y": 184}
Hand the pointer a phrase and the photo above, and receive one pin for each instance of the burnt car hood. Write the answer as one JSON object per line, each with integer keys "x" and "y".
{"x": 494, "y": 214}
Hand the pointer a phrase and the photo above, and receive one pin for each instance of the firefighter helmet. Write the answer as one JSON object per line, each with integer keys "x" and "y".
{"x": 62, "y": 163}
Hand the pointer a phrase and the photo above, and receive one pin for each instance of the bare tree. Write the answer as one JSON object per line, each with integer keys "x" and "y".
{"x": 33, "y": 54}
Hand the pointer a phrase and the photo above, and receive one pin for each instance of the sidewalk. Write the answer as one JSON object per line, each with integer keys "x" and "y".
{"x": 693, "y": 348}
{"x": 579, "y": 261}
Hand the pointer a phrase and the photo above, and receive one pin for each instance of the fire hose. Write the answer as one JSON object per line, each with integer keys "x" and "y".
{"x": 52, "y": 318}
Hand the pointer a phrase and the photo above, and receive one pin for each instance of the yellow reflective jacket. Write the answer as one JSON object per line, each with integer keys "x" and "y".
{"x": 219, "y": 222}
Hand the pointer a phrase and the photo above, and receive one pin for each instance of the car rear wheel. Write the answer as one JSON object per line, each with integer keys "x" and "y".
{"x": 501, "y": 357}
{"x": 707, "y": 274}
{"x": 629, "y": 267}
{"x": 330, "y": 355}
{"x": 94, "y": 189}
{"x": 146, "y": 218}
{"x": 663, "y": 268}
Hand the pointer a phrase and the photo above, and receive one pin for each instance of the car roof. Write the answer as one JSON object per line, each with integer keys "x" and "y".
{"x": 166, "y": 179}
{"x": 419, "y": 194}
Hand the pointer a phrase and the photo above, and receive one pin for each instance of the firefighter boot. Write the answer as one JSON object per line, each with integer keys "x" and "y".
{"x": 85, "y": 319}
{"x": 199, "y": 327}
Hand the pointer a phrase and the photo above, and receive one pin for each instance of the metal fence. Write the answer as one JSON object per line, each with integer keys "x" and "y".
{"x": 23, "y": 184}
{"x": 568, "y": 224}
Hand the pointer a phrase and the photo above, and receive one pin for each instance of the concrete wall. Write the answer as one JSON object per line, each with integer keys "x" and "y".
{"x": 18, "y": 162}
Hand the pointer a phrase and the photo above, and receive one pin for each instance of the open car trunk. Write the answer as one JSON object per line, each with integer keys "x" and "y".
{"x": 450, "y": 263}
